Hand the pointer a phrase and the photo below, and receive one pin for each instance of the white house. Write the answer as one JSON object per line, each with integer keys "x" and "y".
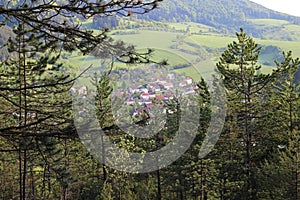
{"x": 145, "y": 96}
{"x": 144, "y": 90}
{"x": 168, "y": 86}
{"x": 188, "y": 80}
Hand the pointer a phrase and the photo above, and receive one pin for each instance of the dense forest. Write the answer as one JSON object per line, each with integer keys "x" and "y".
{"x": 225, "y": 15}
{"x": 43, "y": 156}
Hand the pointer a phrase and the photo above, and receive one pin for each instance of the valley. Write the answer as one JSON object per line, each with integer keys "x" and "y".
{"x": 197, "y": 44}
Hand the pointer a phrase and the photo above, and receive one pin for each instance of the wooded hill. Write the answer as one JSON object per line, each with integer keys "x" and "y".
{"x": 226, "y": 15}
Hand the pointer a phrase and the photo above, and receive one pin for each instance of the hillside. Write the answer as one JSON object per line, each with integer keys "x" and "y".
{"x": 225, "y": 15}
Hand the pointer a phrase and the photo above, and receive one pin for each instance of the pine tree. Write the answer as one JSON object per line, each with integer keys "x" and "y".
{"x": 284, "y": 165}
{"x": 239, "y": 70}
{"x": 61, "y": 20}
{"x": 36, "y": 95}
{"x": 34, "y": 91}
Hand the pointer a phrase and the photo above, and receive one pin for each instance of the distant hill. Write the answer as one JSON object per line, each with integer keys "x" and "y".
{"x": 226, "y": 15}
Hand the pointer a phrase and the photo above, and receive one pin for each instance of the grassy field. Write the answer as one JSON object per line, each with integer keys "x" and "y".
{"x": 179, "y": 48}
{"x": 285, "y": 25}
{"x": 193, "y": 27}
{"x": 293, "y": 46}
{"x": 292, "y": 28}
{"x": 149, "y": 39}
{"x": 212, "y": 40}
{"x": 268, "y": 22}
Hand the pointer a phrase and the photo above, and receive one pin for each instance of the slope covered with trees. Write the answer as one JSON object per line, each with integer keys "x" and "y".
{"x": 225, "y": 15}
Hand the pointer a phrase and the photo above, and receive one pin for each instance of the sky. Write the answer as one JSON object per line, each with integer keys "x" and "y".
{"x": 291, "y": 7}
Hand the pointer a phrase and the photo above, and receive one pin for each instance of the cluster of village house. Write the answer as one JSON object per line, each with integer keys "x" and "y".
{"x": 161, "y": 90}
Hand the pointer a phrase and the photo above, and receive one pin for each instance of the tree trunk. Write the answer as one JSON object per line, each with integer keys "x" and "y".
{"x": 158, "y": 185}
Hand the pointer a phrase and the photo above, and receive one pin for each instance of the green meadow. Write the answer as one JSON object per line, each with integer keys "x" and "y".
{"x": 198, "y": 45}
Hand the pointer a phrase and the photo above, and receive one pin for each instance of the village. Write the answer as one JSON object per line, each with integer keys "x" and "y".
{"x": 141, "y": 92}
{"x": 156, "y": 93}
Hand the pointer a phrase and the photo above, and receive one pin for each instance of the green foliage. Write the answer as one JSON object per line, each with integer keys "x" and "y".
{"x": 245, "y": 86}
{"x": 286, "y": 98}
{"x": 37, "y": 109}
{"x": 224, "y": 15}
{"x": 257, "y": 156}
